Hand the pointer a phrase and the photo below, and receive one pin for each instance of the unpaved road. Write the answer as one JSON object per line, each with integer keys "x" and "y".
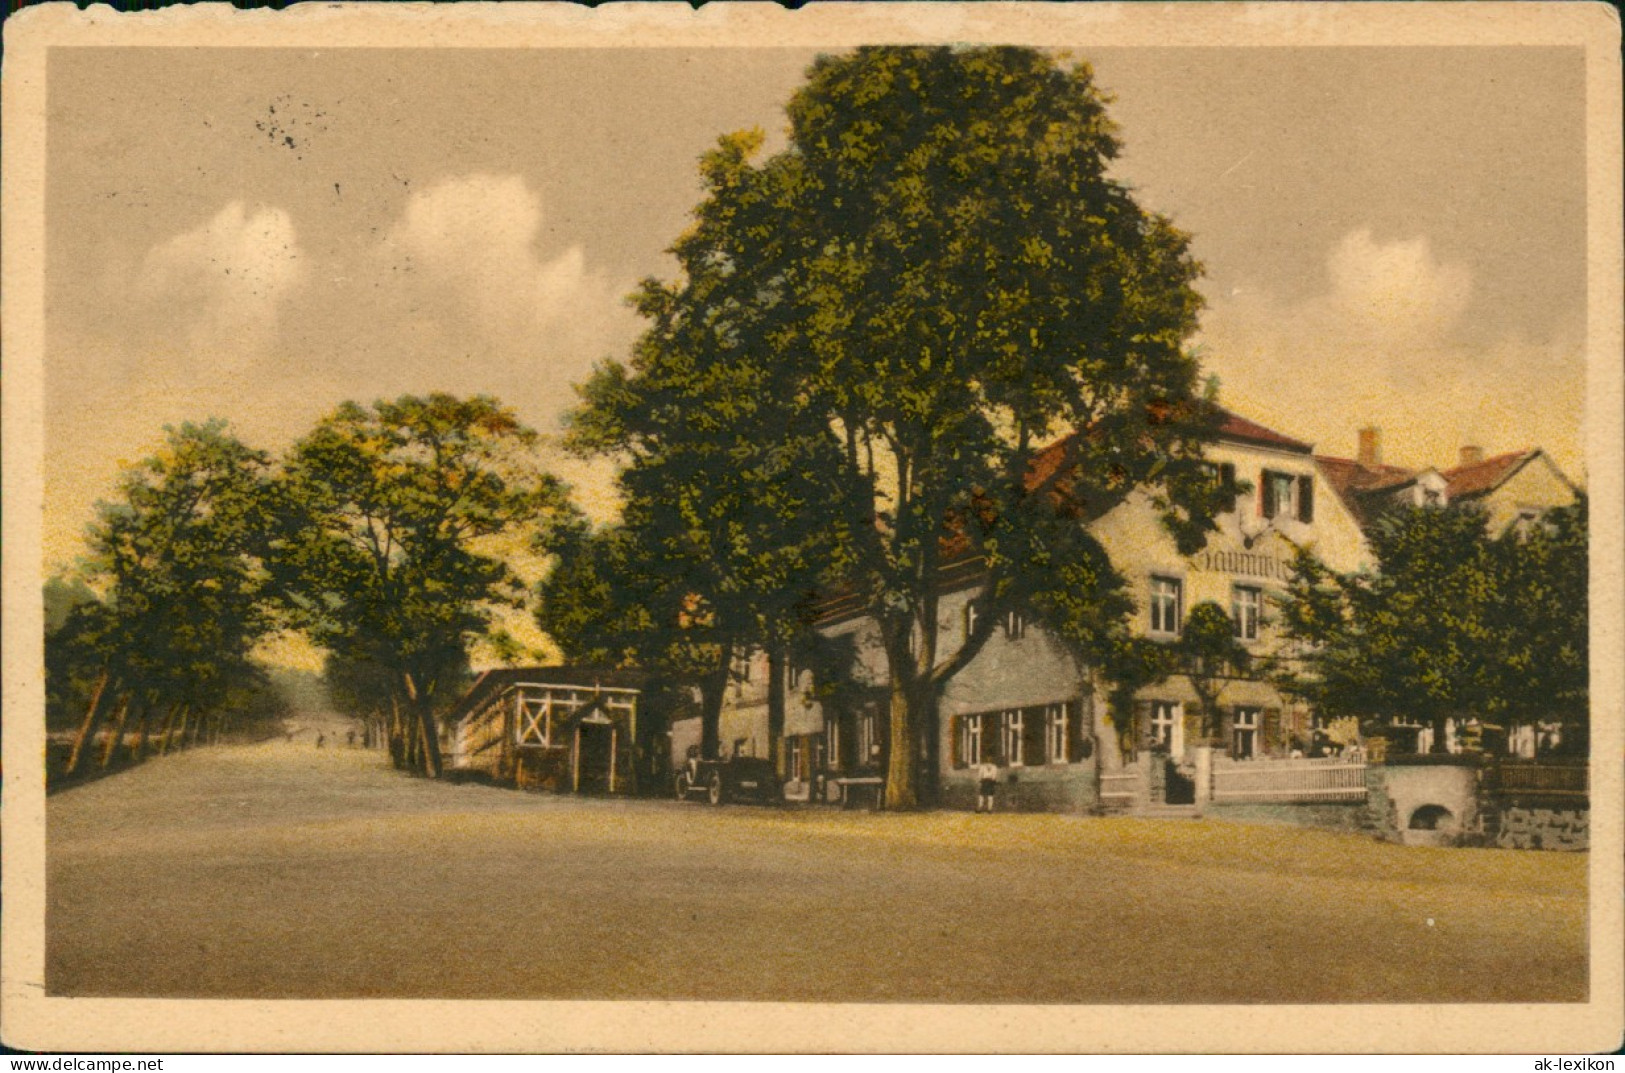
{"x": 280, "y": 870}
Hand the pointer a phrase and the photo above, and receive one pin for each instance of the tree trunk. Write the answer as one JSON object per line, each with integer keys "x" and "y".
{"x": 180, "y": 730}
{"x": 396, "y": 734}
{"x": 432, "y": 762}
{"x": 713, "y": 688}
{"x": 421, "y": 705}
{"x": 169, "y": 728}
{"x": 116, "y": 737}
{"x": 900, "y": 767}
{"x": 776, "y": 670}
{"x": 138, "y": 751}
{"x": 87, "y": 729}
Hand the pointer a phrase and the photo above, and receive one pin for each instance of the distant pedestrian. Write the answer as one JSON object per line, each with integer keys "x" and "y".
{"x": 987, "y": 785}
{"x": 352, "y": 739}
{"x": 321, "y": 739}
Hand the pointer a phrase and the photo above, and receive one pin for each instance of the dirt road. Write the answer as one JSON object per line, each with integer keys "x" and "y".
{"x": 280, "y": 870}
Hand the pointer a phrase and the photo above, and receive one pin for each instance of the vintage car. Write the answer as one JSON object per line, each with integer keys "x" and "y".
{"x": 739, "y": 778}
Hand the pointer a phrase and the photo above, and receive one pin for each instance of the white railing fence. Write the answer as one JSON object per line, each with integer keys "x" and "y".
{"x": 1287, "y": 781}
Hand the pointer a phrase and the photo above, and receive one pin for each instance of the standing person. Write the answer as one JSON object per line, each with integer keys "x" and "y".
{"x": 987, "y": 785}
{"x": 321, "y": 739}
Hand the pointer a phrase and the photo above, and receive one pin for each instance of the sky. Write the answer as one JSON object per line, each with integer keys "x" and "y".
{"x": 1391, "y": 236}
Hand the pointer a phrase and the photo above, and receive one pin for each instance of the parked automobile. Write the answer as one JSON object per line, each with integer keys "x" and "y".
{"x": 737, "y": 778}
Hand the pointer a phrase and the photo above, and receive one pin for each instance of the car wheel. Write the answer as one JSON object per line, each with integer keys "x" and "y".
{"x": 714, "y": 791}
{"x": 682, "y": 786}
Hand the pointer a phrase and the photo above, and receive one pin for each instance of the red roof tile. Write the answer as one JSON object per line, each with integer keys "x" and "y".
{"x": 1234, "y": 427}
{"x": 1465, "y": 482}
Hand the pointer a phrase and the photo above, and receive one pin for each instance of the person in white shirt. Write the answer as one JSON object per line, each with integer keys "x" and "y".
{"x": 988, "y": 783}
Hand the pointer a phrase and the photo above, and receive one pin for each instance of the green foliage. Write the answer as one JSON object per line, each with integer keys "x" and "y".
{"x": 180, "y": 558}
{"x": 1208, "y": 653}
{"x": 1451, "y": 623}
{"x": 876, "y": 330}
{"x": 387, "y": 516}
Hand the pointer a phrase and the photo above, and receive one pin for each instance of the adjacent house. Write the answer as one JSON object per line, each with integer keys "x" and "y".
{"x": 1512, "y": 489}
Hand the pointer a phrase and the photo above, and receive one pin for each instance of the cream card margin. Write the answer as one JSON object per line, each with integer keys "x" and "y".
{"x": 30, "y": 1020}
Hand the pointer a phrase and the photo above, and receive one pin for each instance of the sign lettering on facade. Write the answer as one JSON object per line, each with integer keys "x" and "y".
{"x": 1252, "y": 564}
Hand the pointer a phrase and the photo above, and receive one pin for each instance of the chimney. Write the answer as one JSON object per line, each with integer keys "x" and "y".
{"x": 1370, "y": 446}
{"x": 1472, "y": 455}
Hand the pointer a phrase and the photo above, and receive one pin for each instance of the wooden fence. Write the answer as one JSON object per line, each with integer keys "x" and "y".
{"x": 1547, "y": 780}
{"x": 1288, "y": 781}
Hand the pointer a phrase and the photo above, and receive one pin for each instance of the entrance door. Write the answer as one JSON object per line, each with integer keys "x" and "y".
{"x": 594, "y": 755}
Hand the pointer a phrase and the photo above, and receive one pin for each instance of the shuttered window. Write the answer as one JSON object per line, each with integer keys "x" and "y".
{"x": 1306, "y": 499}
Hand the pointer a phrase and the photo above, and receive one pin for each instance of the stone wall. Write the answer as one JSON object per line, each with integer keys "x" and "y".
{"x": 1529, "y": 826}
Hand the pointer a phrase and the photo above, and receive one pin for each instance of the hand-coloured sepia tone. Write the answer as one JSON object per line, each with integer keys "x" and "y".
{"x": 1101, "y": 727}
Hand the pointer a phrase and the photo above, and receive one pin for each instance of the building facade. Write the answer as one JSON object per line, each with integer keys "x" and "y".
{"x": 1025, "y": 704}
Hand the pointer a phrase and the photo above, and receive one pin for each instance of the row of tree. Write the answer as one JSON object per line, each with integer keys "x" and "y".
{"x": 367, "y": 537}
{"x": 932, "y": 331}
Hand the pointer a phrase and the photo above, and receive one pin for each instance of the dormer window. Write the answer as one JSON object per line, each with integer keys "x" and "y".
{"x": 1015, "y": 625}
{"x": 1284, "y": 495}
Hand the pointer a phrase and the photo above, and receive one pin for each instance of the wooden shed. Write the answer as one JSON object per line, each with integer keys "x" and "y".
{"x": 564, "y": 729}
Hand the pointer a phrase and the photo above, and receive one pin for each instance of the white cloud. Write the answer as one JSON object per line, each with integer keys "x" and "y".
{"x": 464, "y": 250}
{"x": 228, "y": 279}
{"x": 1385, "y": 342}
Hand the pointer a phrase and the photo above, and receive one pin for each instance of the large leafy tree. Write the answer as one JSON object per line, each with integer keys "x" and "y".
{"x": 942, "y": 278}
{"x": 390, "y": 552}
{"x": 179, "y": 560}
{"x": 733, "y": 491}
{"x": 1449, "y": 623}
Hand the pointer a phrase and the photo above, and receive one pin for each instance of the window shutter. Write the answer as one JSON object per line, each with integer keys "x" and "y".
{"x": 1269, "y": 733}
{"x": 1227, "y": 473}
{"x": 1076, "y": 718}
{"x": 956, "y": 726}
{"x": 1266, "y": 493}
{"x": 992, "y": 732}
{"x": 1142, "y": 725}
{"x": 1227, "y": 727}
{"x": 1035, "y": 737}
{"x": 1306, "y": 499}
{"x": 1191, "y": 716}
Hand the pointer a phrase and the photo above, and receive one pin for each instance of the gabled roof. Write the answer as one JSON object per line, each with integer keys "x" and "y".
{"x": 491, "y": 683}
{"x": 1238, "y": 428}
{"x": 1232, "y": 427}
{"x": 1481, "y": 478}
{"x": 1360, "y": 484}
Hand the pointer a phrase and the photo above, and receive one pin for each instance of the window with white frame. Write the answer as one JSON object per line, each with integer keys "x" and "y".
{"x": 1013, "y": 726}
{"x": 1056, "y": 740}
{"x": 970, "y": 740}
{"x": 868, "y": 738}
{"x": 832, "y": 743}
{"x": 792, "y": 758}
{"x": 1166, "y": 726}
{"x": 1166, "y": 596}
{"x": 971, "y": 615}
{"x": 1246, "y": 610}
{"x": 1244, "y": 735}
{"x": 1015, "y": 625}
{"x": 741, "y": 665}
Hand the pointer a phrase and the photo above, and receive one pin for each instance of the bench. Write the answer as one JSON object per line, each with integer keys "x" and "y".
{"x": 864, "y": 783}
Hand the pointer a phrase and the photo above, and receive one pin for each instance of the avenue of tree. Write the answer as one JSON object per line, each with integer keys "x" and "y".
{"x": 931, "y": 333}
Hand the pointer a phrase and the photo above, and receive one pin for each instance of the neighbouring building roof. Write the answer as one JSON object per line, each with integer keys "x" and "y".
{"x": 1361, "y": 485}
{"x": 1481, "y": 478}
